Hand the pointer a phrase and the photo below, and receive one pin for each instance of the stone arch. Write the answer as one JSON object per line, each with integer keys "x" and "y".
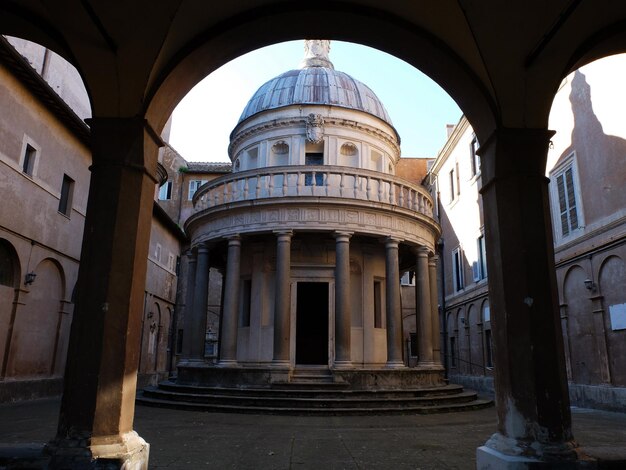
{"x": 611, "y": 282}
{"x": 197, "y": 58}
{"x": 10, "y": 269}
{"x": 585, "y": 361}
{"x": 33, "y": 346}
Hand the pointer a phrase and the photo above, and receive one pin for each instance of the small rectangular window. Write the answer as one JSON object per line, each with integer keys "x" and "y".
{"x": 30, "y": 155}
{"x": 452, "y": 184}
{"x": 475, "y": 159}
{"x": 479, "y": 268}
{"x": 488, "y": 348}
{"x": 452, "y": 351}
{"x": 457, "y": 269}
{"x": 458, "y": 180}
{"x": 179, "y": 342}
{"x": 378, "y": 307}
{"x": 413, "y": 344}
{"x": 314, "y": 158}
{"x": 67, "y": 190}
{"x": 157, "y": 252}
{"x": 567, "y": 201}
{"x": 171, "y": 262}
{"x": 194, "y": 185}
{"x": 165, "y": 191}
{"x": 246, "y": 301}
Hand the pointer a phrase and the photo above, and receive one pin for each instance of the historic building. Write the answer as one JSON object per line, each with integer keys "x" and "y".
{"x": 587, "y": 202}
{"x": 311, "y": 232}
{"x": 502, "y": 63}
{"x": 45, "y": 160}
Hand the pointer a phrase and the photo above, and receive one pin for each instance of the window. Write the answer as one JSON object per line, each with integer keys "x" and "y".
{"x": 565, "y": 195}
{"x": 171, "y": 262}
{"x": 475, "y": 159}
{"x": 452, "y": 351}
{"x": 452, "y": 184}
{"x": 314, "y": 159}
{"x": 246, "y": 298}
{"x": 378, "y": 307}
{"x": 408, "y": 279}
{"x": 457, "y": 269}
{"x": 67, "y": 190}
{"x": 479, "y": 268}
{"x": 458, "y": 180}
{"x": 28, "y": 165}
{"x": 165, "y": 191}
{"x": 157, "y": 252}
{"x": 413, "y": 344}
{"x": 194, "y": 185}
{"x": 7, "y": 268}
{"x": 488, "y": 348}
{"x": 179, "y": 342}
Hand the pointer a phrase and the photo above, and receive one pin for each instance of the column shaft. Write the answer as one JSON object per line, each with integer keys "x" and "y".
{"x": 200, "y": 299}
{"x": 188, "y": 320}
{"x": 228, "y": 352}
{"x": 343, "y": 311}
{"x": 100, "y": 380}
{"x": 282, "y": 301}
{"x": 434, "y": 307}
{"x": 530, "y": 380}
{"x": 393, "y": 304}
{"x": 424, "y": 311}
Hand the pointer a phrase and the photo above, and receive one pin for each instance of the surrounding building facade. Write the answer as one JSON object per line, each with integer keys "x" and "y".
{"x": 588, "y": 204}
{"x": 45, "y": 160}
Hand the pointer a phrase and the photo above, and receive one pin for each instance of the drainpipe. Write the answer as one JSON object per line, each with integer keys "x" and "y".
{"x": 442, "y": 295}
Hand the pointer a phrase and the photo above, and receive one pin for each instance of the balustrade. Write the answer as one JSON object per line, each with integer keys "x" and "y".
{"x": 318, "y": 181}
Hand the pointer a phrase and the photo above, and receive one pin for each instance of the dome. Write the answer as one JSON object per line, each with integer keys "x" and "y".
{"x": 315, "y": 83}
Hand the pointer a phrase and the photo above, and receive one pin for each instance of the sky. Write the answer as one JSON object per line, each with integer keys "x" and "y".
{"x": 418, "y": 107}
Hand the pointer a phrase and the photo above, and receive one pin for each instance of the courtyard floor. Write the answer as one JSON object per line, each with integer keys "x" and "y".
{"x": 198, "y": 440}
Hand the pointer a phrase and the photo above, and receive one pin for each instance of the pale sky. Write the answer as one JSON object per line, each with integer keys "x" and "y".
{"x": 418, "y": 107}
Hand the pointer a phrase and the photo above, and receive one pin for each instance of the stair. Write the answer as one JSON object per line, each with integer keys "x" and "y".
{"x": 312, "y": 394}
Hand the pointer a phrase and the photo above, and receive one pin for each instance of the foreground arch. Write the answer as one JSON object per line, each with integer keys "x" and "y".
{"x": 501, "y": 62}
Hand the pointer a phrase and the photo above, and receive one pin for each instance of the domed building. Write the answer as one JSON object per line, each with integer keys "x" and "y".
{"x": 311, "y": 231}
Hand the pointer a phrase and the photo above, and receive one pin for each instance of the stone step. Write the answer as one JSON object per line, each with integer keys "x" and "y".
{"x": 344, "y": 411}
{"x": 309, "y": 390}
{"x": 250, "y": 399}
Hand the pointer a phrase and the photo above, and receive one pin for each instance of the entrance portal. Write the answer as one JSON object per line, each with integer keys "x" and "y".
{"x": 312, "y": 323}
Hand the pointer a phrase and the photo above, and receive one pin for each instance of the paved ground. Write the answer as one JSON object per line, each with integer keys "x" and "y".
{"x": 197, "y": 440}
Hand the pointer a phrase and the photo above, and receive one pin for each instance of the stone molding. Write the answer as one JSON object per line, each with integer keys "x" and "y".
{"x": 250, "y": 217}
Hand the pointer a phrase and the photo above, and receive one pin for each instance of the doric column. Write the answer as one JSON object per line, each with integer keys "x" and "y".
{"x": 228, "y": 351}
{"x": 393, "y": 304}
{"x": 343, "y": 312}
{"x": 96, "y": 418}
{"x": 282, "y": 300}
{"x": 434, "y": 307}
{"x": 188, "y": 320}
{"x": 423, "y": 309}
{"x": 200, "y": 299}
{"x": 532, "y": 400}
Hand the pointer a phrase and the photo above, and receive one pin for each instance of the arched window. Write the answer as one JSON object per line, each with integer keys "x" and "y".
{"x": 7, "y": 266}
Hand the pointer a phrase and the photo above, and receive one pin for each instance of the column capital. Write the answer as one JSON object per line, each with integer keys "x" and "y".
{"x": 202, "y": 247}
{"x": 190, "y": 255}
{"x": 391, "y": 242}
{"x": 421, "y": 251}
{"x": 342, "y": 236}
{"x": 234, "y": 240}
{"x": 433, "y": 260}
{"x": 283, "y": 235}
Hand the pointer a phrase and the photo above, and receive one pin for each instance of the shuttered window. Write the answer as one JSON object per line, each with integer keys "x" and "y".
{"x": 567, "y": 201}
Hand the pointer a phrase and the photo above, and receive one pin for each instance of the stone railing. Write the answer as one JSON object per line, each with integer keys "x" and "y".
{"x": 313, "y": 181}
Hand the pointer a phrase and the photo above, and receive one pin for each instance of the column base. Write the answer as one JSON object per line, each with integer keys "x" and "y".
{"x": 506, "y": 453}
{"x": 227, "y": 363}
{"x": 128, "y": 451}
{"x": 395, "y": 365}
{"x": 280, "y": 364}
{"x": 428, "y": 364}
{"x": 343, "y": 365}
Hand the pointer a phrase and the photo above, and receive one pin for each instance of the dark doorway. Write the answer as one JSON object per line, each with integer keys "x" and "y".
{"x": 312, "y": 323}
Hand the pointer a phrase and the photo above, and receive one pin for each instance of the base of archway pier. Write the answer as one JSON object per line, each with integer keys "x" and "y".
{"x": 128, "y": 451}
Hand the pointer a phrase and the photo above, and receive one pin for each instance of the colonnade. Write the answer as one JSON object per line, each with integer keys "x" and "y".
{"x": 426, "y": 308}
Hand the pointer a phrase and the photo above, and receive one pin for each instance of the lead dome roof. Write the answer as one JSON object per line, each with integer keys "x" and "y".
{"x": 316, "y": 82}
